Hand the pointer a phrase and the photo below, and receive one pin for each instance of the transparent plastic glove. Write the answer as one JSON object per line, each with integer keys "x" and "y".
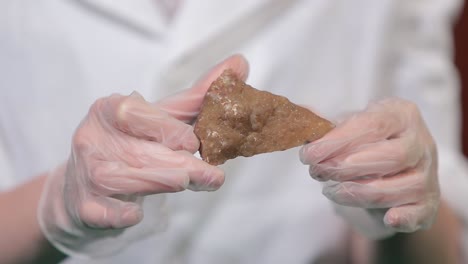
{"x": 381, "y": 158}
{"x": 126, "y": 149}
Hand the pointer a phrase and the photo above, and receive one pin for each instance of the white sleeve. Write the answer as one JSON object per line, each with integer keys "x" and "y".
{"x": 6, "y": 174}
{"x": 424, "y": 73}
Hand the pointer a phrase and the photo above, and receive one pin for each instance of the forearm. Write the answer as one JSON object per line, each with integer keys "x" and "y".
{"x": 21, "y": 240}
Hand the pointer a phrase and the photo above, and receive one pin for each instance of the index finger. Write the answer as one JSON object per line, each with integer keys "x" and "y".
{"x": 138, "y": 118}
{"x": 375, "y": 124}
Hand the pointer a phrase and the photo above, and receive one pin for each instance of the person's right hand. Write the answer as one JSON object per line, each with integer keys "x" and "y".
{"x": 127, "y": 148}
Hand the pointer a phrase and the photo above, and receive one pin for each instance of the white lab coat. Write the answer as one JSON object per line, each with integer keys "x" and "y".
{"x": 58, "y": 56}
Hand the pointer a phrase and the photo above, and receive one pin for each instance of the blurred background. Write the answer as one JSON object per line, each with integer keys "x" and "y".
{"x": 461, "y": 52}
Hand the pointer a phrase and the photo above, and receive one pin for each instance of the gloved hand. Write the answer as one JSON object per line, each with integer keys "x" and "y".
{"x": 126, "y": 149}
{"x": 381, "y": 158}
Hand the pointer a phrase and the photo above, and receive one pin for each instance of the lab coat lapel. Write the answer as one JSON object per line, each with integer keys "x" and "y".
{"x": 208, "y": 30}
{"x": 141, "y": 16}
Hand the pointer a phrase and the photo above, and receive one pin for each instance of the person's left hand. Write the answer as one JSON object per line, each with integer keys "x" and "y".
{"x": 383, "y": 157}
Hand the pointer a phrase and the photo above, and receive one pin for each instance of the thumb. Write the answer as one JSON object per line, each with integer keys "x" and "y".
{"x": 186, "y": 104}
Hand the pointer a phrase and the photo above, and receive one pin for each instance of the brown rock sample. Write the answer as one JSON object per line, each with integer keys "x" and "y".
{"x": 239, "y": 120}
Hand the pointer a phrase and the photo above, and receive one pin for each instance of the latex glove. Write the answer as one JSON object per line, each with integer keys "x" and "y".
{"x": 381, "y": 158}
{"x": 125, "y": 149}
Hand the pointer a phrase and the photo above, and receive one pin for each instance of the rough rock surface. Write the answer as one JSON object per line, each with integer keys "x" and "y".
{"x": 239, "y": 120}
